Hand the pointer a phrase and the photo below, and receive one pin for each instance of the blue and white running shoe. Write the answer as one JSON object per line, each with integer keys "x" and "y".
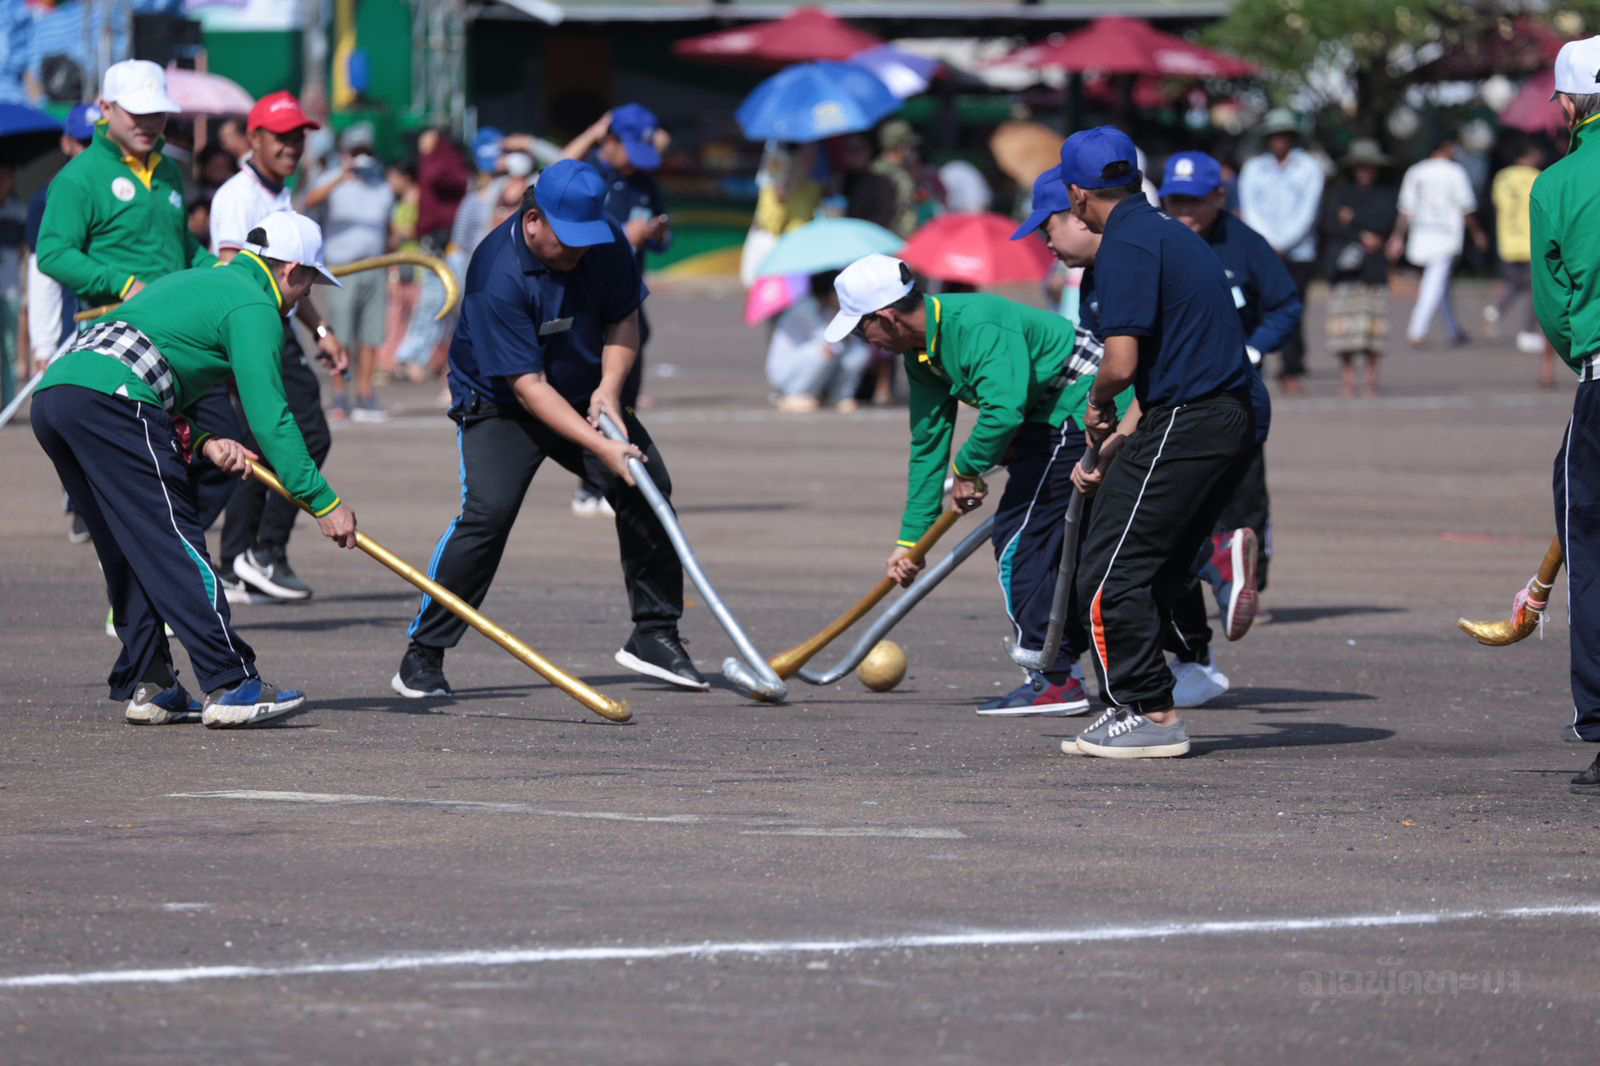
{"x": 250, "y": 702}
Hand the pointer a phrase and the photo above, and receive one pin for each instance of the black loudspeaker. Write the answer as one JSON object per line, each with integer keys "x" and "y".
{"x": 166, "y": 39}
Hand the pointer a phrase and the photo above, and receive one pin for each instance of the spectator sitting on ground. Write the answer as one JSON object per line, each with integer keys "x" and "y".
{"x": 804, "y": 371}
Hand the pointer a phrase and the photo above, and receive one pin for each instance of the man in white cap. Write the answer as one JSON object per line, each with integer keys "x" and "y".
{"x": 256, "y": 529}
{"x": 115, "y": 219}
{"x": 1027, "y": 372}
{"x": 107, "y": 414}
{"x": 1564, "y": 220}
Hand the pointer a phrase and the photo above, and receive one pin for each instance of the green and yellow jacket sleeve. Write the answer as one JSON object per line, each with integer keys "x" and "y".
{"x": 999, "y": 378}
{"x": 63, "y": 236}
{"x": 1552, "y": 285}
{"x": 254, "y": 338}
{"x": 933, "y": 424}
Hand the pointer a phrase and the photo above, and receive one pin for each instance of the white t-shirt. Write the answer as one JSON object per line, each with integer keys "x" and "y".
{"x": 1437, "y": 195}
{"x": 239, "y": 205}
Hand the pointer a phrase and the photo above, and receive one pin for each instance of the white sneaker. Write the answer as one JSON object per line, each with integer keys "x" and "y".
{"x": 1197, "y": 684}
{"x": 1530, "y": 343}
{"x": 592, "y": 507}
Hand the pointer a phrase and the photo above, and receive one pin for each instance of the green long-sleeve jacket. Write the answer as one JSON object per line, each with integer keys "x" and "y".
{"x": 1000, "y": 358}
{"x": 111, "y": 219}
{"x": 1564, "y": 216}
{"x": 208, "y": 323}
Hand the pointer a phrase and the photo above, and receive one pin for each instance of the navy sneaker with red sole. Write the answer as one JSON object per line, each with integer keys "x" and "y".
{"x": 1039, "y": 697}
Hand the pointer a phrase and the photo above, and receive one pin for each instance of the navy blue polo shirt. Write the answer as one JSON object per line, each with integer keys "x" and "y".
{"x": 1268, "y": 302}
{"x": 1159, "y": 282}
{"x": 520, "y": 317}
{"x": 631, "y": 197}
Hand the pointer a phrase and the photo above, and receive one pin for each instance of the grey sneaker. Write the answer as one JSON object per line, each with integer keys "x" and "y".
{"x": 1569, "y": 733}
{"x": 1096, "y": 731}
{"x": 1133, "y": 736}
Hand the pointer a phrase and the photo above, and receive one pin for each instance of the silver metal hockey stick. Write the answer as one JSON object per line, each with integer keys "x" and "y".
{"x": 753, "y": 675}
{"x": 901, "y": 607}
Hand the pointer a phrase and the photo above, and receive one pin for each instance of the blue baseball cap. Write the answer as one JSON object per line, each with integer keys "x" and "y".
{"x": 81, "y": 121}
{"x": 486, "y": 148}
{"x": 1101, "y": 158}
{"x": 572, "y": 196}
{"x": 1191, "y": 174}
{"x": 635, "y": 126}
{"x": 1049, "y": 197}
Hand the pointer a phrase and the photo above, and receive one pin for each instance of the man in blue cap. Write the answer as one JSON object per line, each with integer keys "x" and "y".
{"x": 1171, "y": 331}
{"x": 549, "y": 331}
{"x": 624, "y": 145}
{"x": 1235, "y": 562}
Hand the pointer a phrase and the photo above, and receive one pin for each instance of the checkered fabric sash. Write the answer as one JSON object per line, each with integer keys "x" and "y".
{"x": 1084, "y": 361}
{"x": 133, "y": 349}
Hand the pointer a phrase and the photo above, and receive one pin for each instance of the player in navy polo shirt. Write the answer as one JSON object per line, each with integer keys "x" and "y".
{"x": 1171, "y": 329}
{"x": 548, "y": 333}
{"x": 1235, "y": 564}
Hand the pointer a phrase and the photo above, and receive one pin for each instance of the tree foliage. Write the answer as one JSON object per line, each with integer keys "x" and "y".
{"x": 1375, "y": 43}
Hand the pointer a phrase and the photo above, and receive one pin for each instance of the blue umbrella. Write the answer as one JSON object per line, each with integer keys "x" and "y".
{"x": 827, "y": 244}
{"x": 26, "y": 133}
{"x": 811, "y": 101}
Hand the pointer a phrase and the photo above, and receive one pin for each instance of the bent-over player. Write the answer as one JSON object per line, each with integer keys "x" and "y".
{"x": 107, "y": 415}
{"x": 1027, "y": 373}
{"x": 548, "y": 333}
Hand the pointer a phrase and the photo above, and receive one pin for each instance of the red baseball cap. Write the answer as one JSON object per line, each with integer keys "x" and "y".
{"x": 279, "y": 113}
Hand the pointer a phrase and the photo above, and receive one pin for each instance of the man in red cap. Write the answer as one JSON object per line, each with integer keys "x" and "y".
{"x": 255, "y": 532}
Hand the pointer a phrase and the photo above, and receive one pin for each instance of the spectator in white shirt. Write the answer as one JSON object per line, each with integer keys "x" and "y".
{"x": 1279, "y": 194}
{"x": 1437, "y": 209}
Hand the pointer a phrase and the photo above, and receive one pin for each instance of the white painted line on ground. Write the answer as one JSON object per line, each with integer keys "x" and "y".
{"x": 757, "y": 949}
{"x": 746, "y": 825}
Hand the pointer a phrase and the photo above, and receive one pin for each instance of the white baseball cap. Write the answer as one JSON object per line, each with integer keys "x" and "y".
{"x": 870, "y": 284}
{"x": 138, "y": 86}
{"x": 292, "y": 238}
{"x": 1578, "y": 67}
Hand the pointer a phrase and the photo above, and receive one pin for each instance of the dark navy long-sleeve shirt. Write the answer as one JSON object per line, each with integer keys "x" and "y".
{"x": 1268, "y": 302}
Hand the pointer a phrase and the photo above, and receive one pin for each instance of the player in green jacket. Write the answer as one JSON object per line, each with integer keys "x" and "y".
{"x": 1564, "y": 219}
{"x": 116, "y": 219}
{"x": 107, "y": 415}
{"x": 1027, "y": 373}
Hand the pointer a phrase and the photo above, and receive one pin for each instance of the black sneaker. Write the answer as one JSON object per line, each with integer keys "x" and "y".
{"x": 1588, "y": 782}
{"x": 77, "y": 530}
{"x": 267, "y": 570}
{"x": 421, "y": 674}
{"x": 660, "y": 654}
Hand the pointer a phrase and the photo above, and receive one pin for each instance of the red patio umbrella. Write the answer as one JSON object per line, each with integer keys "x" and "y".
{"x": 806, "y": 34}
{"x": 1120, "y": 45}
{"x": 977, "y": 250}
{"x": 1533, "y": 111}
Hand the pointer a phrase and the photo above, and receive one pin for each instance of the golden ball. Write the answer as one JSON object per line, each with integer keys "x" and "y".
{"x": 884, "y": 667}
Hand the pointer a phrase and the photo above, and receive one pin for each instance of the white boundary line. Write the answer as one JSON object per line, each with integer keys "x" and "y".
{"x": 746, "y": 825}
{"x": 757, "y": 949}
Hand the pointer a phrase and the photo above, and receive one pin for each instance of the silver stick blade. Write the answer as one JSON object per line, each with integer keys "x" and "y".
{"x": 741, "y": 675}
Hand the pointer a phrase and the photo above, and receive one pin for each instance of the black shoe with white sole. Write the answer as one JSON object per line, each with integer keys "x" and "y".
{"x": 1588, "y": 782}
{"x": 660, "y": 654}
{"x": 421, "y": 674}
{"x": 267, "y": 570}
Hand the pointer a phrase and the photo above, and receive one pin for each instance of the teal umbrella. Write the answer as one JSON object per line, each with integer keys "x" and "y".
{"x": 827, "y": 244}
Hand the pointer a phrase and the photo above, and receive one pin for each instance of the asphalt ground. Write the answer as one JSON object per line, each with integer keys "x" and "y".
{"x": 1370, "y": 855}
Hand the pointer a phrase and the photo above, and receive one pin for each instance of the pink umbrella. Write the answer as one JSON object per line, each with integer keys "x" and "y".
{"x": 207, "y": 94}
{"x": 807, "y": 33}
{"x": 977, "y": 250}
{"x": 1121, "y": 45}
{"x": 1533, "y": 111}
{"x": 773, "y": 295}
